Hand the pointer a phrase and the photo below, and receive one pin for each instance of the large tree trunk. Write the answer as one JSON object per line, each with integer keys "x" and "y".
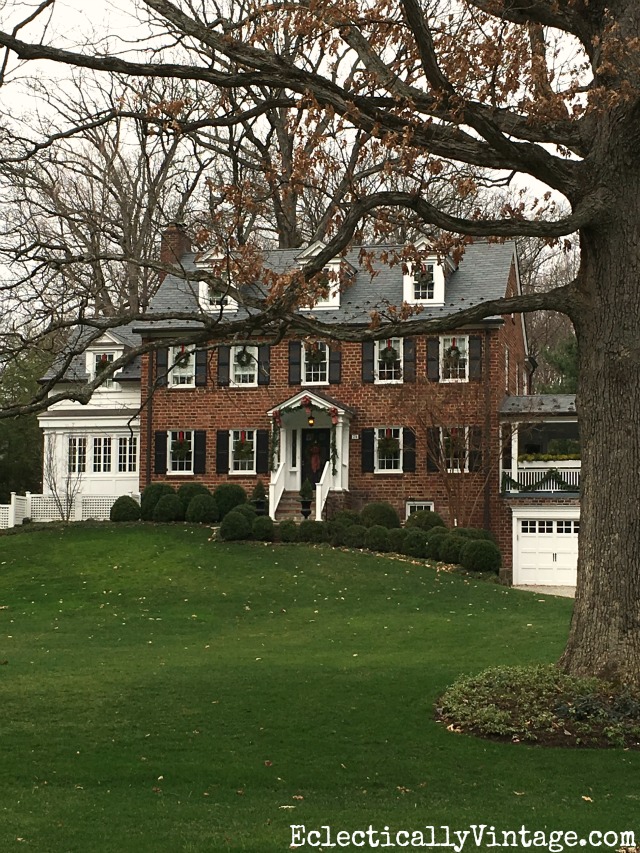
{"x": 605, "y": 630}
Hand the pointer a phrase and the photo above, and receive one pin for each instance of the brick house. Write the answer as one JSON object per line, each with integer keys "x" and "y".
{"x": 421, "y": 422}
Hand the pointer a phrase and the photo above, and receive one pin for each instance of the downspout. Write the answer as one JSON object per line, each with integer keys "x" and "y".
{"x": 488, "y": 449}
{"x": 149, "y": 408}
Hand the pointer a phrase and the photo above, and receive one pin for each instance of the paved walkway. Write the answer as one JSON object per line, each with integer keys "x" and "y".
{"x": 565, "y": 591}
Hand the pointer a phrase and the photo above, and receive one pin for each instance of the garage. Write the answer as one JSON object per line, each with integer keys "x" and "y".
{"x": 545, "y": 546}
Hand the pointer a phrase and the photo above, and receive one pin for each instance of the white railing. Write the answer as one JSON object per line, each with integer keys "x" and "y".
{"x": 545, "y": 477}
{"x": 322, "y": 490}
{"x": 276, "y": 488}
{"x": 47, "y": 508}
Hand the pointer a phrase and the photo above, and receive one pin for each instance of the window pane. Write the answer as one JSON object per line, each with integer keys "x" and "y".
{"x": 388, "y": 449}
{"x": 389, "y": 360}
{"x": 183, "y": 366}
{"x": 243, "y": 450}
{"x": 454, "y": 358}
{"x": 245, "y": 365}
{"x": 181, "y": 450}
{"x": 423, "y": 287}
{"x": 315, "y": 359}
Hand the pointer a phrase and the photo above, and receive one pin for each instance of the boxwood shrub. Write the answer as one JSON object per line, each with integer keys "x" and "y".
{"x": 354, "y": 536}
{"x": 288, "y": 531}
{"x": 377, "y": 539}
{"x": 125, "y": 508}
{"x": 345, "y": 518}
{"x": 432, "y": 546}
{"x": 189, "y": 490}
{"x": 381, "y": 513}
{"x": 150, "y": 497}
{"x": 235, "y": 526}
{"x": 414, "y": 544}
{"x": 425, "y": 519}
{"x": 312, "y": 531}
{"x": 228, "y": 496}
{"x": 202, "y": 509}
{"x": 248, "y": 510}
{"x": 397, "y": 535}
{"x": 450, "y": 547}
{"x": 480, "y": 555}
{"x": 168, "y": 508}
{"x": 263, "y": 529}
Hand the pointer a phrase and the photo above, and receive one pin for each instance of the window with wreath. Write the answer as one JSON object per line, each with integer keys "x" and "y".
{"x": 423, "y": 282}
{"x": 214, "y": 293}
{"x": 183, "y": 367}
{"x": 127, "y": 454}
{"x": 454, "y": 358}
{"x": 244, "y": 365}
{"x": 315, "y": 363}
{"x": 243, "y": 451}
{"x": 77, "y": 455}
{"x": 388, "y": 360}
{"x": 101, "y": 455}
{"x": 455, "y": 449}
{"x": 180, "y": 449}
{"x": 388, "y": 449}
{"x": 101, "y": 361}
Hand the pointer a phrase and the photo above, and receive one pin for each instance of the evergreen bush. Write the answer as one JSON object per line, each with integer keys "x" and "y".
{"x": 168, "y": 508}
{"x": 125, "y": 508}
{"x": 263, "y": 529}
{"x": 397, "y": 535}
{"x": 345, "y": 518}
{"x": 312, "y": 531}
{"x": 450, "y": 547}
{"x": 288, "y": 531}
{"x": 432, "y": 545}
{"x": 381, "y": 513}
{"x": 189, "y": 490}
{"x": 377, "y": 539}
{"x": 235, "y": 526}
{"x": 202, "y": 509}
{"x": 150, "y": 497}
{"x": 248, "y": 510}
{"x": 354, "y": 536}
{"x": 481, "y": 555}
{"x": 228, "y": 496}
{"x": 414, "y": 544}
{"x": 425, "y": 519}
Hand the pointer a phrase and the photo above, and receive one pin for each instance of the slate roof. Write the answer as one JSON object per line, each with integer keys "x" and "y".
{"x": 540, "y": 405}
{"x": 77, "y": 369}
{"x": 481, "y": 276}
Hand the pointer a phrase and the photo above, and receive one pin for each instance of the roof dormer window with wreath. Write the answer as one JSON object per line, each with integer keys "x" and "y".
{"x": 424, "y": 277}
{"x": 214, "y": 292}
{"x": 328, "y": 282}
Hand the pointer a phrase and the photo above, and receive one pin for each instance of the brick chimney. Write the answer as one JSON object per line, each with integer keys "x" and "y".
{"x": 174, "y": 243}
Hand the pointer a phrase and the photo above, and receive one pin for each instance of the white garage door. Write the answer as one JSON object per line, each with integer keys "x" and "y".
{"x": 546, "y": 551}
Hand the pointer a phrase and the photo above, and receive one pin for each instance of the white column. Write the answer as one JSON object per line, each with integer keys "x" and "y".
{"x": 514, "y": 451}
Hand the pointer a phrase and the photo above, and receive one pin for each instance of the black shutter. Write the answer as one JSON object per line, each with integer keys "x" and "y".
{"x": 199, "y": 451}
{"x": 162, "y": 366}
{"x": 335, "y": 366}
{"x": 262, "y": 451}
{"x": 433, "y": 449}
{"x": 224, "y": 360}
{"x": 222, "y": 451}
{"x": 368, "y": 355}
{"x": 475, "y": 448}
{"x": 367, "y": 450}
{"x": 475, "y": 357}
{"x": 264, "y": 364}
{"x": 202, "y": 361}
{"x": 408, "y": 450}
{"x": 160, "y": 453}
{"x": 433, "y": 359}
{"x": 506, "y": 448}
{"x": 295, "y": 362}
{"x": 409, "y": 360}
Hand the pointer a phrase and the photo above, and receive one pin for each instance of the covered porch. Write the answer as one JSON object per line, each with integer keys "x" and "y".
{"x": 309, "y": 441}
{"x": 540, "y": 444}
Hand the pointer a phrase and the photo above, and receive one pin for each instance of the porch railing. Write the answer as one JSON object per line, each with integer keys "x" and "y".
{"x": 543, "y": 477}
{"x": 322, "y": 490}
{"x": 276, "y": 488}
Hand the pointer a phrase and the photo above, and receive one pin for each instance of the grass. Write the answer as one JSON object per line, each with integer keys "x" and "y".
{"x": 163, "y": 692}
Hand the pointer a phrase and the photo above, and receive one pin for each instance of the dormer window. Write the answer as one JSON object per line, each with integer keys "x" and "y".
{"x": 424, "y": 277}
{"x": 327, "y": 294}
{"x": 423, "y": 283}
{"x": 214, "y": 292}
{"x": 101, "y": 362}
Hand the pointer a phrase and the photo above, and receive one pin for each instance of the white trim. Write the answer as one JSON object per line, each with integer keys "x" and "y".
{"x": 254, "y": 440}
{"x": 376, "y": 439}
{"x": 419, "y": 505}
{"x": 252, "y": 349}
{"x": 378, "y": 347}
{"x": 457, "y": 339}
{"x": 303, "y": 366}
{"x": 558, "y": 577}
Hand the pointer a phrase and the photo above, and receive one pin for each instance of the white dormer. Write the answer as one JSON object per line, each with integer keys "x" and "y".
{"x": 100, "y": 354}
{"x": 423, "y": 280}
{"x": 213, "y": 294}
{"x": 332, "y": 269}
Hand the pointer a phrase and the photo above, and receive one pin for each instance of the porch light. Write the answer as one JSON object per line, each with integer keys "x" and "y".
{"x": 311, "y": 420}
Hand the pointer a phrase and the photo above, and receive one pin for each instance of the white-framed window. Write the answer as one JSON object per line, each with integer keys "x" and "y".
{"x": 455, "y": 449}
{"x": 388, "y": 449}
{"x": 329, "y": 293}
{"x": 102, "y": 360}
{"x": 102, "y": 455}
{"x": 418, "y": 506}
{"x": 244, "y": 366}
{"x": 77, "y": 455}
{"x": 315, "y": 364}
{"x": 454, "y": 358}
{"x": 180, "y": 452}
{"x": 388, "y": 360}
{"x": 214, "y": 292}
{"x": 424, "y": 282}
{"x": 127, "y": 454}
{"x": 243, "y": 451}
{"x": 182, "y": 372}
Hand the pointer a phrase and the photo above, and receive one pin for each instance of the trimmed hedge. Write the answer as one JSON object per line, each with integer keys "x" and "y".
{"x": 150, "y": 497}
{"x": 312, "y": 531}
{"x": 345, "y": 518}
{"x": 377, "y": 539}
{"x": 248, "y": 510}
{"x": 235, "y": 526}
{"x": 450, "y": 547}
{"x": 168, "y": 508}
{"x": 380, "y": 513}
{"x": 263, "y": 529}
{"x": 288, "y": 531}
{"x": 189, "y": 490}
{"x": 480, "y": 555}
{"x": 202, "y": 509}
{"x": 397, "y": 535}
{"x": 425, "y": 519}
{"x": 228, "y": 496}
{"x": 355, "y": 536}
{"x": 125, "y": 508}
{"x": 414, "y": 544}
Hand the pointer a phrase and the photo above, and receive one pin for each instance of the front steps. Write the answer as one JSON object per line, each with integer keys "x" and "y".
{"x": 289, "y": 507}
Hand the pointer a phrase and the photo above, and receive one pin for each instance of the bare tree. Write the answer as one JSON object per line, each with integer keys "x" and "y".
{"x": 63, "y": 486}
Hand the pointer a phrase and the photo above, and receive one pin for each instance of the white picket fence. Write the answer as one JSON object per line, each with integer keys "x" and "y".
{"x": 45, "y": 508}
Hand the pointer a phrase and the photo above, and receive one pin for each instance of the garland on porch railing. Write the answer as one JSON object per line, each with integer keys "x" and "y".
{"x": 551, "y": 476}
{"x": 333, "y": 414}
{"x": 274, "y": 444}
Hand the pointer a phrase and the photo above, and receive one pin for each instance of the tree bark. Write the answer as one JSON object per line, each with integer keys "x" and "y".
{"x": 605, "y": 629}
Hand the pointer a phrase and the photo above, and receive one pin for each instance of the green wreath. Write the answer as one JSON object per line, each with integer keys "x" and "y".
{"x": 389, "y": 355}
{"x": 243, "y": 357}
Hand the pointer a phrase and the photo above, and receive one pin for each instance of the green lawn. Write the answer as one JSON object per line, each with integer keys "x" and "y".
{"x": 163, "y": 692}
